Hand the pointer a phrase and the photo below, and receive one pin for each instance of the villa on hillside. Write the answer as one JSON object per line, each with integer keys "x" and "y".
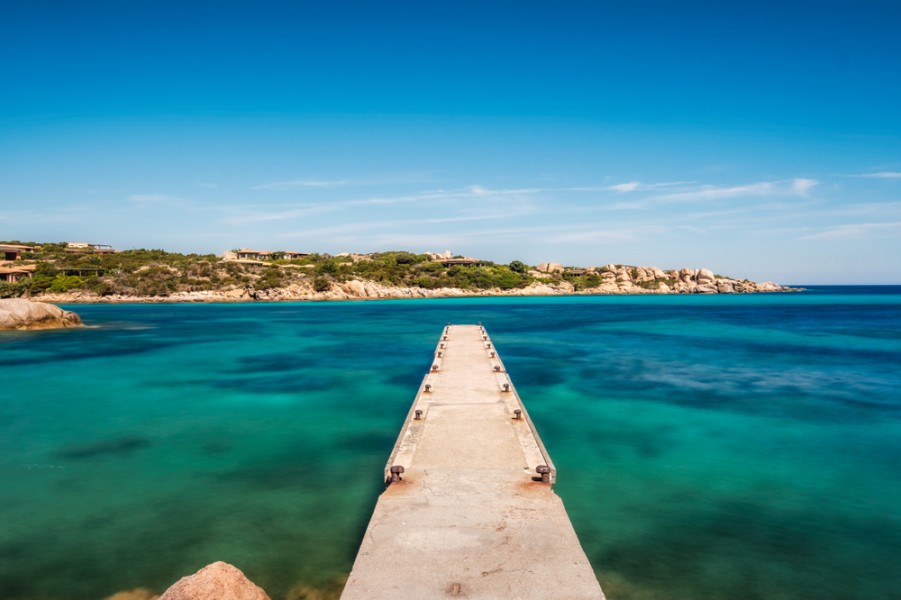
{"x": 244, "y": 254}
{"x": 247, "y": 254}
{"x": 14, "y": 251}
{"x": 448, "y": 260}
{"x": 16, "y": 273}
{"x": 87, "y": 248}
{"x": 462, "y": 261}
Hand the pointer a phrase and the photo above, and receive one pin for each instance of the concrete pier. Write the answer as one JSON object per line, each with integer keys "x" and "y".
{"x": 469, "y": 510}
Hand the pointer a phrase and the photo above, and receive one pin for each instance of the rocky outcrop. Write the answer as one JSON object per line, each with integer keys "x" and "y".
{"x": 218, "y": 581}
{"x": 18, "y": 313}
{"x": 549, "y": 267}
{"x": 622, "y": 279}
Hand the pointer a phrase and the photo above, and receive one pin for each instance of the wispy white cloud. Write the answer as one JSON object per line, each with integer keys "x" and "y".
{"x": 153, "y": 198}
{"x": 626, "y": 206}
{"x": 694, "y": 229}
{"x": 742, "y": 211}
{"x": 15, "y": 218}
{"x": 301, "y": 183}
{"x": 471, "y": 192}
{"x": 407, "y": 224}
{"x": 608, "y": 235}
{"x": 456, "y": 199}
{"x": 882, "y": 175}
{"x": 244, "y": 215}
{"x": 411, "y": 237}
{"x": 478, "y": 190}
{"x": 855, "y": 231}
{"x": 208, "y": 185}
{"x": 592, "y": 188}
{"x": 388, "y": 179}
{"x": 885, "y": 210}
{"x": 801, "y": 185}
{"x": 796, "y": 187}
{"x": 630, "y": 186}
{"x": 710, "y": 192}
{"x": 638, "y": 186}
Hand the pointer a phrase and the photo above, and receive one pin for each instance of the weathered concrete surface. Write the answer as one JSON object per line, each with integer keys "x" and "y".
{"x": 470, "y": 517}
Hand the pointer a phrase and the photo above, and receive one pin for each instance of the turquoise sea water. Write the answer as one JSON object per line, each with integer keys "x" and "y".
{"x": 710, "y": 447}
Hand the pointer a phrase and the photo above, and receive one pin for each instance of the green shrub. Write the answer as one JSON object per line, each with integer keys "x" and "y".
{"x": 64, "y": 283}
{"x": 585, "y": 281}
{"x": 13, "y": 290}
{"x": 272, "y": 277}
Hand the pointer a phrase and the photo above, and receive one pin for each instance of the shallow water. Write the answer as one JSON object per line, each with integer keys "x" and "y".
{"x": 732, "y": 447}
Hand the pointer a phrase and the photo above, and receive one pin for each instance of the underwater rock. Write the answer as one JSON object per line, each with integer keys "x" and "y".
{"x": 120, "y": 445}
{"x": 329, "y": 591}
{"x": 135, "y": 594}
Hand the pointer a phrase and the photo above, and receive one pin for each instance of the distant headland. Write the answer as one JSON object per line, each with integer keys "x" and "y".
{"x": 73, "y": 272}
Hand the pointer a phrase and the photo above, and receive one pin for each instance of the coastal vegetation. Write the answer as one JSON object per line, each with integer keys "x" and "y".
{"x": 158, "y": 273}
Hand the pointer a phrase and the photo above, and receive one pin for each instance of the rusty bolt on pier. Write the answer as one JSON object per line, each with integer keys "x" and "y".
{"x": 543, "y": 470}
{"x": 396, "y": 471}
{"x": 517, "y": 414}
{"x": 417, "y": 415}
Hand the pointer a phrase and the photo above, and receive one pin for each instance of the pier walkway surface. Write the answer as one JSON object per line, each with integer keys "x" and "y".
{"x": 472, "y": 514}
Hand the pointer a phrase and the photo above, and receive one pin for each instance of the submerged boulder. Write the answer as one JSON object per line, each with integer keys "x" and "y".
{"x": 217, "y": 581}
{"x": 18, "y": 313}
{"x": 135, "y": 594}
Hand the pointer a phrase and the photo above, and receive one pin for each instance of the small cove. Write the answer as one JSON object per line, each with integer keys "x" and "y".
{"x": 734, "y": 447}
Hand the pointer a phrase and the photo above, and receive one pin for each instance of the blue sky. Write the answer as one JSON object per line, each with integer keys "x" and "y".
{"x": 758, "y": 139}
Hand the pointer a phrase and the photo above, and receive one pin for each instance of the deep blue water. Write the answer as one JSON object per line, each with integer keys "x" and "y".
{"x": 715, "y": 447}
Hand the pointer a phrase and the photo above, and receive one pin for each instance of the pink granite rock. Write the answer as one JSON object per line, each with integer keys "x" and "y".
{"x": 218, "y": 581}
{"x": 18, "y": 313}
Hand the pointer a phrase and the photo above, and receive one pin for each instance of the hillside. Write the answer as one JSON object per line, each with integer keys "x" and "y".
{"x": 58, "y": 273}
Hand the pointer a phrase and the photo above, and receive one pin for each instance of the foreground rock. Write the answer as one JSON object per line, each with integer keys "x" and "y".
{"x": 17, "y": 313}
{"x": 218, "y": 581}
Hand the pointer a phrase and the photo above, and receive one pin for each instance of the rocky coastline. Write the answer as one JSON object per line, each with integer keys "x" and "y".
{"x": 615, "y": 281}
